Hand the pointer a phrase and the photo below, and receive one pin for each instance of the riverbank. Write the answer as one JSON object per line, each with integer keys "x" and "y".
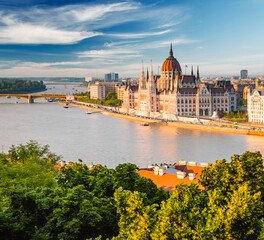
{"x": 217, "y": 127}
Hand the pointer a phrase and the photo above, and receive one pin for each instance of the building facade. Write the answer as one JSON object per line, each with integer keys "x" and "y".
{"x": 255, "y": 103}
{"x": 111, "y": 77}
{"x": 244, "y": 74}
{"x": 97, "y": 91}
{"x": 173, "y": 94}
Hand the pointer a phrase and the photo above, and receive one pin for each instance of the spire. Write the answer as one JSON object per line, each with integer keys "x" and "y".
{"x": 142, "y": 82}
{"x": 171, "y": 52}
{"x": 192, "y": 71}
{"x": 151, "y": 83}
{"x": 198, "y": 75}
{"x": 147, "y": 77}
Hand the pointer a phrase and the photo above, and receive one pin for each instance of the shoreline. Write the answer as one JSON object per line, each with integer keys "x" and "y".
{"x": 202, "y": 127}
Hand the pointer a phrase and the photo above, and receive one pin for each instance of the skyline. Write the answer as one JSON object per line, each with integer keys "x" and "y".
{"x": 84, "y": 38}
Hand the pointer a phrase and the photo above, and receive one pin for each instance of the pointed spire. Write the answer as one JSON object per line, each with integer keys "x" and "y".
{"x": 142, "y": 83}
{"x": 171, "y": 52}
{"x": 198, "y": 74}
{"x": 192, "y": 71}
{"x": 147, "y": 77}
{"x": 151, "y": 79}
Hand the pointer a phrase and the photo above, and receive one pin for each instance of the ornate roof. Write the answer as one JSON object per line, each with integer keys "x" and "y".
{"x": 171, "y": 63}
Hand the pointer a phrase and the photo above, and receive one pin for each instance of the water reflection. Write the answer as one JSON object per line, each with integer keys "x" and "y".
{"x": 108, "y": 140}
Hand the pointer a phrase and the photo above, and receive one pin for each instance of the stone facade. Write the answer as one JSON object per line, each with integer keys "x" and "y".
{"x": 173, "y": 94}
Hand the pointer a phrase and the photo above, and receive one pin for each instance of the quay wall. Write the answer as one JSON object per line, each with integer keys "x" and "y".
{"x": 187, "y": 124}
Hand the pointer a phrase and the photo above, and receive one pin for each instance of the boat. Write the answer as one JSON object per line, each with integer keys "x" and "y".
{"x": 145, "y": 124}
{"x": 8, "y": 97}
{"x": 88, "y": 112}
{"x": 66, "y": 106}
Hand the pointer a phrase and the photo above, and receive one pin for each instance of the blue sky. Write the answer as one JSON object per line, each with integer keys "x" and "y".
{"x": 42, "y": 38}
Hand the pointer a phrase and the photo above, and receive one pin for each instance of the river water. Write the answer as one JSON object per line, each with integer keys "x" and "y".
{"x": 96, "y": 138}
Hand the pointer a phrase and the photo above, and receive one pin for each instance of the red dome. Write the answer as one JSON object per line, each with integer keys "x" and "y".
{"x": 171, "y": 63}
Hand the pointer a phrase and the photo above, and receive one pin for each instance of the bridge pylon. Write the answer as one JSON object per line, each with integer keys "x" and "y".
{"x": 30, "y": 99}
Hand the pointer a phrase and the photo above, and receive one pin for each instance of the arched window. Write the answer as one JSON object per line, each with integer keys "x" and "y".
{"x": 194, "y": 100}
{"x": 190, "y": 101}
{"x": 218, "y": 100}
{"x": 186, "y": 101}
{"x": 214, "y": 100}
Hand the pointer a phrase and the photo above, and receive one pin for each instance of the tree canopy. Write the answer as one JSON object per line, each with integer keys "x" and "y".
{"x": 21, "y": 86}
{"x": 40, "y": 200}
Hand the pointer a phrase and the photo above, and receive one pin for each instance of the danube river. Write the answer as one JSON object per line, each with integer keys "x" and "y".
{"x": 108, "y": 140}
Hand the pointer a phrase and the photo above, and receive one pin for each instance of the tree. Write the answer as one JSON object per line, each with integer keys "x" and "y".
{"x": 243, "y": 169}
{"x": 136, "y": 219}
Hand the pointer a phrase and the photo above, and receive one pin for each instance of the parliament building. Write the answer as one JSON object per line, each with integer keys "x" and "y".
{"x": 173, "y": 94}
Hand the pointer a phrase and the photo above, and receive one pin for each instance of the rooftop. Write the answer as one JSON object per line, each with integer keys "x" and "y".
{"x": 169, "y": 179}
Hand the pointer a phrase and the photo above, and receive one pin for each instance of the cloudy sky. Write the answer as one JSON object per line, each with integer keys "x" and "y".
{"x": 52, "y": 38}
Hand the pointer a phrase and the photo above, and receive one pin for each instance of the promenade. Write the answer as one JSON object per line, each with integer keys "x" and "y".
{"x": 203, "y": 124}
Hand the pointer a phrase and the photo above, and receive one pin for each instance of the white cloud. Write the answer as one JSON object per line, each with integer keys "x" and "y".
{"x": 109, "y": 53}
{"x": 137, "y": 35}
{"x": 95, "y": 12}
{"x": 31, "y": 34}
{"x": 72, "y": 23}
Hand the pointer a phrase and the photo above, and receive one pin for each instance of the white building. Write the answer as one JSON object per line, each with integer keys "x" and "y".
{"x": 255, "y": 106}
{"x": 97, "y": 91}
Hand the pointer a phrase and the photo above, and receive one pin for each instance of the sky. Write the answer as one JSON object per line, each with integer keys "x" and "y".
{"x": 80, "y": 38}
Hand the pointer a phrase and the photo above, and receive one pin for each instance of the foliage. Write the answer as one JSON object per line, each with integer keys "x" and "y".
{"x": 77, "y": 202}
{"x": 21, "y": 86}
{"x": 110, "y": 99}
{"x": 228, "y": 177}
{"x": 29, "y": 165}
{"x": 238, "y": 116}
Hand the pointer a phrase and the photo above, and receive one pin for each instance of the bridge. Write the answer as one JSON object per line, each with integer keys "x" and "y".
{"x": 31, "y": 97}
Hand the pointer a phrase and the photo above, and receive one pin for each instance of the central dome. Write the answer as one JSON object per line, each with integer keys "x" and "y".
{"x": 171, "y": 63}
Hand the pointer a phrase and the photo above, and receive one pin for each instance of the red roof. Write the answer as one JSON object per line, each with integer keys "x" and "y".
{"x": 168, "y": 181}
{"x": 171, "y": 64}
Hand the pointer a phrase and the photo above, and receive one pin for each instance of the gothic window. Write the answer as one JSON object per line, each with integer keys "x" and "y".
{"x": 218, "y": 100}
{"x": 182, "y": 101}
{"x": 190, "y": 101}
{"x": 182, "y": 110}
{"x": 222, "y": 101}
{"x": 194, "y": 100}
{"x": 186, "y": 101}
{"x": 178, "y": 101}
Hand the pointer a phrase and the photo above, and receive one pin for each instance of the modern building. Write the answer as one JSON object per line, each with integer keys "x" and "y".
{"x": 244, "y": 74}
{"x": 111, "y": 77}
{"x": 174, "y": 94}
{"x": 97, "y": 91}
{"x": 255, "y": 104}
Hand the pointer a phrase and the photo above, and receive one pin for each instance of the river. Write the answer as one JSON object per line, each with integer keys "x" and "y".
{"x": 97, "y": 138}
